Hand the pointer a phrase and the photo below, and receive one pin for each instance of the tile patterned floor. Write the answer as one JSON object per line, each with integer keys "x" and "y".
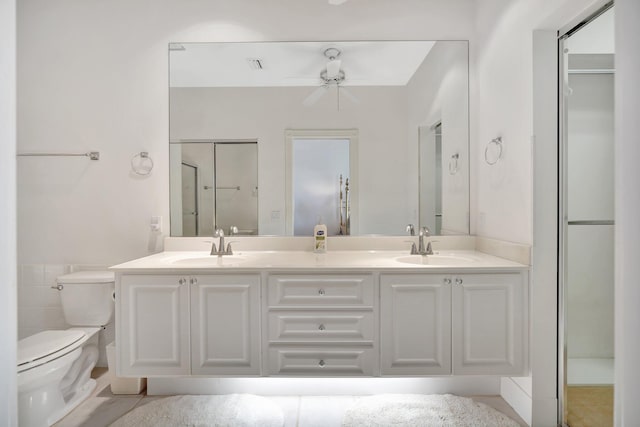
{"x": 590, "y": 406}
{"x": 103, "y": 407}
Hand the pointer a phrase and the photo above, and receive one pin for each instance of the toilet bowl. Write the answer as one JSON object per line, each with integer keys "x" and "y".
{"x": 54, "y": 367}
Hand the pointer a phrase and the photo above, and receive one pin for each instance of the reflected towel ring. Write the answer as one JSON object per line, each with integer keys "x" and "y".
{"x": 453, "y": 164}
{"x": 498, "y": 143}
{"x": 141, "y": 163}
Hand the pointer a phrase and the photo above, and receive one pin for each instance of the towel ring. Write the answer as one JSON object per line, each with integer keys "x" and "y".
{"x": 141, "y": 163}
{"x": 498, "y": 143}
{"x": 453, "y": 164}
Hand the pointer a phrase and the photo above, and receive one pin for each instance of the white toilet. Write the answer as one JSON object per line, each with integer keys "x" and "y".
{"x": 54, "y": 367}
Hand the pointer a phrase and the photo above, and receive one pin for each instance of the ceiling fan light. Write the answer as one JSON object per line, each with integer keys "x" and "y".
{"x": 333, "y": 68}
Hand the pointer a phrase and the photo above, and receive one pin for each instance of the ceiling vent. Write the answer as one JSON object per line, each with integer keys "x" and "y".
{"x": 255, "y": 63}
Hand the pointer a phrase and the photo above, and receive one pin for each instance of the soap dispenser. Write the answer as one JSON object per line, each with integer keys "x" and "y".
{"x": 320, "y": 237}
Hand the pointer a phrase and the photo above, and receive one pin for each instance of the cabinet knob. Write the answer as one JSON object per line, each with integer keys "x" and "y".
{"x": 447, "y": 281}
{"x": 321, "y": 291}
{"x": 321, "y": 327}
{"x": 182, "y": 281}
{"x": 458, "y": 281}
{"x": 321, "y": 363}
{"x": 193, "y": 281}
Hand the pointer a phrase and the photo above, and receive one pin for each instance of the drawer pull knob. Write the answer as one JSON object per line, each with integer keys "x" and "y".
{"x": 321, "y": 363}
{"x": 321, "y": 291}
{"x": 182, "y": 281}
{"x": 458, "y": 281}
{"x": 321, "y": 327}
{"x": 447, "y": 281}
{"x": 193, "y": 281}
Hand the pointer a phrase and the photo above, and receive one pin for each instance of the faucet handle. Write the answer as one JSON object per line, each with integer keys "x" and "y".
{"x": 429, "y": 250}
{"x": 411, "y": 229}
{"x": 233, "y": 230}
{"x": 414, "y": 249}
{"x": 214, "y": 250}
{"x": 229, "y": 251}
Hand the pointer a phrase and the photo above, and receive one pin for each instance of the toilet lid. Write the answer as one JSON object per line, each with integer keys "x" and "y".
{"x": 45, "y": 343}
{"x": 87, "y": 277}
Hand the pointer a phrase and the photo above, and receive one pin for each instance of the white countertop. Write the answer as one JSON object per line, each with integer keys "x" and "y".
{"x": 201, "y": 261}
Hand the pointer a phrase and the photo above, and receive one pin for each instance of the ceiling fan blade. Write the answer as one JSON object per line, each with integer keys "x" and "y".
{"x": 315, "y": 96}
{"x": 344, "y": 91}
{"x": 333, "y": 68}
{"x": 336, "y": 2}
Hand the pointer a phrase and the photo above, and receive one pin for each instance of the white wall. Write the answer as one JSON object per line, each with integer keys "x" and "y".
{"x": 627, "y": 234}
{"x": 8, "y": 393}
{"x": 502, "y": 101}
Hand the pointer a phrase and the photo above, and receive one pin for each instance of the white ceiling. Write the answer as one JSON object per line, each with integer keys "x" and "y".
{"x": 370, "y": 63}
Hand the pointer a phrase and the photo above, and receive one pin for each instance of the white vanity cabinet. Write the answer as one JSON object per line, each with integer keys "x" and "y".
{"x": 415, "y": 324}
{"x": 489, "y": 324}
{"x": 225, "y": 325}
{"x": 153, "y": 322}
{"x": 321, "y": 325}
{"x": 323, "y": 322}
{"x": 460, "y": 324}
{"x": 189, "y": 325}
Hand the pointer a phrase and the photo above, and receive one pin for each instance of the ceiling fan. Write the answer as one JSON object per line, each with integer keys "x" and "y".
{"x": 332, "y": 74}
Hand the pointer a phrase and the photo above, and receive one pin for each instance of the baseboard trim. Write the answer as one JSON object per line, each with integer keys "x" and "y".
{"x": 517, "y": 398}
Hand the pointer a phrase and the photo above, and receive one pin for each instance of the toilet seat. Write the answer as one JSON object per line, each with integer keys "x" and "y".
{"x": 46, "y": 346}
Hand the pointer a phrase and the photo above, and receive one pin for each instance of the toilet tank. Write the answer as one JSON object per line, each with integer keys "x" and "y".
{"x": 87, "y": 297}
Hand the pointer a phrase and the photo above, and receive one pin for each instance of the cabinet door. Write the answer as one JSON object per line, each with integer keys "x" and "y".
{"x": 489, "y": 324}
{"x": 225, "y": 325}
{"x": 415, "y": 324}
{"x": 154, "y": 326}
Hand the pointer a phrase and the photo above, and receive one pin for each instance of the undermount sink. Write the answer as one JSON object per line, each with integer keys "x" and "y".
{"x": 211, "y": 260}
{"x": 437, "y": 259}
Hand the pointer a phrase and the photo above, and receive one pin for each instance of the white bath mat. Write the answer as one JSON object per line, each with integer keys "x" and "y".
{"x": 417, "y": 410}
{"x": 237, "y": 410}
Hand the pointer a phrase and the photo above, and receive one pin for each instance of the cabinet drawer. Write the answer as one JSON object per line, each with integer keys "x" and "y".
{"x": 325, "y": 290}
{"x": 321, "y": 361}
{"x": 321, "y": 326}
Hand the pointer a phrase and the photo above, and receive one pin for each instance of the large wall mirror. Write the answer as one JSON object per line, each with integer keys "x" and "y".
{"x": 268, "y": 138}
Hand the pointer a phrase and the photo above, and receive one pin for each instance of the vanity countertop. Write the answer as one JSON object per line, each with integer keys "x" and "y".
{"x": 354, "y": 260}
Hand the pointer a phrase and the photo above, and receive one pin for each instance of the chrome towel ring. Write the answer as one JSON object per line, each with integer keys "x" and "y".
{"x": 497, "y": 155}
{"x": 141, "y": 163}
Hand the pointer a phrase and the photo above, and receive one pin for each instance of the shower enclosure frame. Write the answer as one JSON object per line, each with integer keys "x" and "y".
{"x": 563, "y": 208}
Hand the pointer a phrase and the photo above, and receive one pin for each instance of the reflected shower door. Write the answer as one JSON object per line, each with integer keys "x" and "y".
{"x": 189, "y": 200}
{"x": 236, "y": 187}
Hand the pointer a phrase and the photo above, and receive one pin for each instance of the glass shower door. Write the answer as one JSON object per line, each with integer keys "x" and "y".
{"x": 588, "y": 223}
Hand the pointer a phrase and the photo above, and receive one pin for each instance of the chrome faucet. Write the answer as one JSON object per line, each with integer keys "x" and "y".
{"x": 214, "y": 251}
{"x": 424, "y": 232}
